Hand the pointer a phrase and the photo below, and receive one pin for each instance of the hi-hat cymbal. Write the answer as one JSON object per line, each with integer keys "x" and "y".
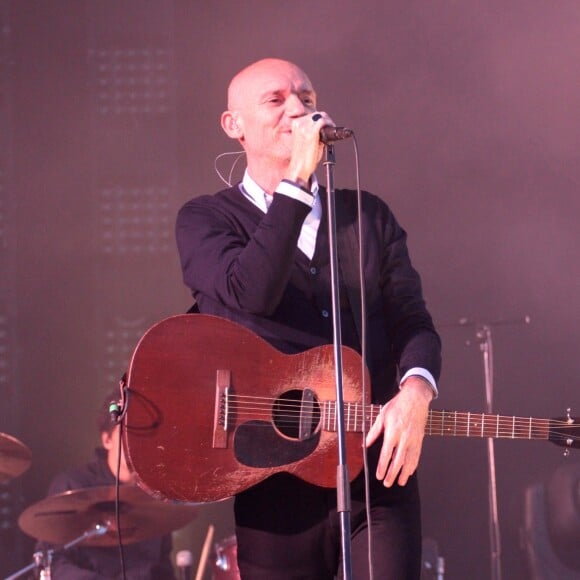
{"x": 61, "y": 518}
{"x": 15, "y": 457}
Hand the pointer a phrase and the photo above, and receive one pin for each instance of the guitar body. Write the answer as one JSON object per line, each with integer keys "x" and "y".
{"x": 207, "y": 410}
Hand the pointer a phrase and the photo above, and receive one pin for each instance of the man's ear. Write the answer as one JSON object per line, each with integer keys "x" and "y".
{"x": 231, "y": 125}
{"x": 106, "y": 440}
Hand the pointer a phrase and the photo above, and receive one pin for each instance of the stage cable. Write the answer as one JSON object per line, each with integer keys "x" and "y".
{"x": 239, "y": 154}
{"x": 363, "y": 346}
{"x": 118, "y": 417}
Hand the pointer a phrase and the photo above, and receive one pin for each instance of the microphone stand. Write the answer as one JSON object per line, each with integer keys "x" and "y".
{"x": 342, "y": 478}
{"x": 483, "y": 335}
{"x": 43, "y": 560}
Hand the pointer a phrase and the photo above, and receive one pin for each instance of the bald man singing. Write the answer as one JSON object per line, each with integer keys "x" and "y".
{"x": 257, "y": 253}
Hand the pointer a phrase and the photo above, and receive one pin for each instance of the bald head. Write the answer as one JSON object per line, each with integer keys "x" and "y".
{"x": 258, "y": 75}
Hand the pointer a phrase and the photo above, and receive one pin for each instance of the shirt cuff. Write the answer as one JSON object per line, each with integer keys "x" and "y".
{"x": 423, "y": 374}
{"x": 290, "y": 189}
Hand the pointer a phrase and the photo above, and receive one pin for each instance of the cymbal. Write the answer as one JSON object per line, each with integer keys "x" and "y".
{"x": 61, "y": 518}
{"x": 15, "y": 457}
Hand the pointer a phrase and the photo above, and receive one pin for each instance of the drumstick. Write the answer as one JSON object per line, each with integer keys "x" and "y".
{"x": 204, "y": 553}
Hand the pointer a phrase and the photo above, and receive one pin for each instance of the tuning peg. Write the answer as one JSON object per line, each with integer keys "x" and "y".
{"x": 569, "y": 440}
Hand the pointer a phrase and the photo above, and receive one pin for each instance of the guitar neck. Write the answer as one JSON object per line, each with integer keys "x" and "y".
{"x": 465, "y": 424}
{"x": 359, "y": 417}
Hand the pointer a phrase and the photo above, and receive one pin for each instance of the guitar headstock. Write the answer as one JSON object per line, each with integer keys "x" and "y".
{"x": 563, "y": 431}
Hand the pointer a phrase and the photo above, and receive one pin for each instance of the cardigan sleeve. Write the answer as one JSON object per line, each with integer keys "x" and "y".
{"x": 415, "y": 340}
{"x": 243, "y": 267}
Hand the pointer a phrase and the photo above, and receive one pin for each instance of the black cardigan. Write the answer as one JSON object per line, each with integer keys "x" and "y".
{"x": 244, "y": 265}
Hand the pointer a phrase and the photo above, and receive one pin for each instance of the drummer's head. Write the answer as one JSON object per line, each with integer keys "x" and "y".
{"x": 110, "y": 431}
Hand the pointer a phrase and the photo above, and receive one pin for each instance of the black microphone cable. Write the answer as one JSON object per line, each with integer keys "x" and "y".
{"x": 118, "y": 411}
{"x": 364, "y": 348}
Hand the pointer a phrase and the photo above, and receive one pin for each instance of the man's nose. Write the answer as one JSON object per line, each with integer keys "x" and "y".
{"x": 295, "y": 106}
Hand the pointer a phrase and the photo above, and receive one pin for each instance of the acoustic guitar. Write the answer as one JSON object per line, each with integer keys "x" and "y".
{"x": 214, "y": 409}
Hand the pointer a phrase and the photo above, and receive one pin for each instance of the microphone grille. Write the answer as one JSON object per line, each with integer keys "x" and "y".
{"x": 184, "y": 558}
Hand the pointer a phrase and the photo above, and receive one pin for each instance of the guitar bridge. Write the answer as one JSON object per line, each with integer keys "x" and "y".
{"x": 221, "y": 410}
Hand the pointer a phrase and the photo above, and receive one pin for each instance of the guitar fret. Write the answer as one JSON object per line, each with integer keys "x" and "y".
{"x": 543, "y": 426}
{"x": 468, "y": 423}
{"x": 334, "y": 411}
{"x": 474, "y": 424}
{"x": 482, "y": 423}
{"x": 489, "y": 428}
{"x": 530, "y": 429}
{"x": 455, "y": 423}
{"x": 501, "y": 423}
{"x": 513, "y": 426}
{"x": 497, "y": 425}
{"x": 540, "y": 429}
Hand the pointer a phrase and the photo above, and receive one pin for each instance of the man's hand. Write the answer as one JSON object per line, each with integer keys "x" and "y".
{"x": 402, "y": 421}
{"x": 307, "y": 148}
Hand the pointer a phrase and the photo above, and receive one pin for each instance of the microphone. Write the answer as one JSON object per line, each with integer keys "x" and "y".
{"x": 329, "y": 135}
{"x": 184, "y": 562}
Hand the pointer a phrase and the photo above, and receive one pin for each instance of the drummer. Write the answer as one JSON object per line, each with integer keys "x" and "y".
{"x": 147, "y": 559}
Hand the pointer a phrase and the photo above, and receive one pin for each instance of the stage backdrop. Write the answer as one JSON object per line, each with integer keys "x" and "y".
{"x": 467, "y": 120}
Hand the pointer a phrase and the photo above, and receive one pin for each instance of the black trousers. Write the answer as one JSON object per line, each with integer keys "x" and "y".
{"x": 288, "y": 530}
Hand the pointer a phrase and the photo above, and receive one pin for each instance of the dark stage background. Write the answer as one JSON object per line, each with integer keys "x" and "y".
{"x": 468, "y": 124}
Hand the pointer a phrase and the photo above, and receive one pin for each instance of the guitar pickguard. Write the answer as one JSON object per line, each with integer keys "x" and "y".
{"x": 257, "y": 444}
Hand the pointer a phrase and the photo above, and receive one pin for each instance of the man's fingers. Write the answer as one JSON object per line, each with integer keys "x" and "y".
{"x": 375, "y": 430}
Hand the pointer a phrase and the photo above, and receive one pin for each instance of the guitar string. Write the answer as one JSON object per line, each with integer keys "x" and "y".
{"x": 553, "y": 434}
{"x": 472, "y": 418}
{"x": 505, "y": 426}
{"x": 506, "y": 430}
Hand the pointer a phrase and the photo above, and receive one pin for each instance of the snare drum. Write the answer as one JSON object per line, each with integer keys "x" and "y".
{"x": 226, "y": 560}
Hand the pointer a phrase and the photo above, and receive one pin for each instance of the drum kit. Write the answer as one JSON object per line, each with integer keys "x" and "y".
{"x": 15, "y": 457}
{"x": 225, "y": 566}
{"x": 89, "y": 516}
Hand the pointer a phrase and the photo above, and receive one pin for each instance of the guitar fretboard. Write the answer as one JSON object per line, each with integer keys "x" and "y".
{"x": 462, "y": 424}
{"x": 359, "y": 417}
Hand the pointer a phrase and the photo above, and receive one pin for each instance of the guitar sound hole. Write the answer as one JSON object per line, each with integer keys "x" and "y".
{"x": 296, "y": 414}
